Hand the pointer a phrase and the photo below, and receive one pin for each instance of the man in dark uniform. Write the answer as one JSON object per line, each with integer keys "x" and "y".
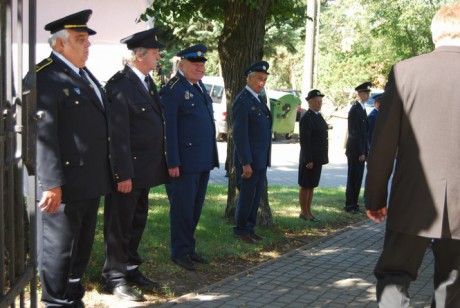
{"x": 372, "y": 117}
{"x": 191, "y": 151}
{"x": 314, "y": 146}
{"x": 139, "y": 163}
{"x": 356, "y": 147}
{"x": 252, "y": 124}
{"x": 73, "y": 167}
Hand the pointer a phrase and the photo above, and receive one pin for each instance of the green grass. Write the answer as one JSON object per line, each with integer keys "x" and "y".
{"x": 214, "y": 234}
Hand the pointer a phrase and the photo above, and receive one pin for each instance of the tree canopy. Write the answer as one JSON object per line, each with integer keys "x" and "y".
{"x": 188, "y": 22}
{"x": 360, "y": 40}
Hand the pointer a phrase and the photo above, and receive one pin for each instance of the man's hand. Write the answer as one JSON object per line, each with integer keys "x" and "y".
{"x": 247, "y": 172}
{"x": 310, "y": 165}
{"x": 174, "y": 172}
{"x": 362, "y": 158}
{"x": 125, "y": 186}
{"x": 377, "y": 216}
{"x": 51, "y": 200}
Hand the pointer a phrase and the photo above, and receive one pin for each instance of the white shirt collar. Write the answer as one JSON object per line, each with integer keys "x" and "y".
{"x": 252, "y": 92}
{"x": 69, "y": 64}
{"x": 447, "y": 41}
{"x": 180, "y": 72}
{"x": 138, "y": 74}
{"x": 317, "y": 112}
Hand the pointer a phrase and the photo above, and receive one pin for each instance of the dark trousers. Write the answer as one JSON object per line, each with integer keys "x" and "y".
{"x": 125, "y": 217}
{"x": 248, "y": 200}
{"x": 186, "y": 197}
{"x": 354, "y": 181}
{"x": 65, "y": 240}
{"x": 400, "y": 260}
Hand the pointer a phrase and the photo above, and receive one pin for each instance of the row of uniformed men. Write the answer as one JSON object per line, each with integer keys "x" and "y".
{"x": 90, "y": 139}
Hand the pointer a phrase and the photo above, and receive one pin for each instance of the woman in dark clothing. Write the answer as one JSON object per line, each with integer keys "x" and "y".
{"x": 313, "y": 152}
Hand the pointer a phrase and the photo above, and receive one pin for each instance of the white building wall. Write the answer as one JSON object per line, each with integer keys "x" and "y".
{"x": 111, "y": 19}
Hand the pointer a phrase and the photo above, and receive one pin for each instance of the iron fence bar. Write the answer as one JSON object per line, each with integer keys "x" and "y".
{"x": 10, "y": 208}
{"x": 18, "y": 255}
{"x": 21, "y": 284}
{"x": 2, "y": 149}
{"x": 2, "y": 222}
{"x": 30, "y": 142}
{"x": 9, "y": 144}
{"x": 20, "y": 218}
{"x": 2, "y": 50}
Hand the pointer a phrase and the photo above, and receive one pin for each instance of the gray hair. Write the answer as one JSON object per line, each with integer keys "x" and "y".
{"x": 132, "y": 57}
{"x": 61, "y": 34}
{"x": 250, "y": 75}
{"x": 446, "y": 23}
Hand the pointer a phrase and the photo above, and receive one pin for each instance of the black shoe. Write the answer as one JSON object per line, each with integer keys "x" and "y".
{"x": 135, "y": 277}
{"x": 185, "y": 262}
{"x": 256, "y": 237}
{"x": 128, "y": 293}
{"x": 349, "y": 210}
{"x": 314, "y": 219}
{"x": 198, "y": 258}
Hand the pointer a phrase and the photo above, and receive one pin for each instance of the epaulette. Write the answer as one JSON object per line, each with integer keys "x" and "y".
{"x": 172, "y": 82}
{"x": 242, "y": 95}
{"x": 43, "y": 64}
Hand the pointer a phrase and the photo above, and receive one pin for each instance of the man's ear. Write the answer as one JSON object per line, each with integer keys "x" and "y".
{"x": 59, "y": 45}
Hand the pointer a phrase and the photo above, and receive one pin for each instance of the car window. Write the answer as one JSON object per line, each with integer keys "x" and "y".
{"x": 208, "y": 87}
{"x": 216, "y": 94}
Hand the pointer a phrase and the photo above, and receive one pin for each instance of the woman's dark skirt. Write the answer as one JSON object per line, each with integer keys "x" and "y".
{"x": 309, "y": 178}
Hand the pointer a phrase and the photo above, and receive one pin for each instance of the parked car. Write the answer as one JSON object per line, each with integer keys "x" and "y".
{"x": 215, "y": 87}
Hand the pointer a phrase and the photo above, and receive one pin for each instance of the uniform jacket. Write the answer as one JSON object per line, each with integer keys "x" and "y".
{"x": 252, "y": 123}
{"x": 138, "y": 131}
{"x": 313, "y": 139}
{"x": 357, "y": 131}
{"x": 418, "y": 120}
{"x": 73, "y": 142}
{"x": 190, "y": 131}
{"x": 371, "y": 118}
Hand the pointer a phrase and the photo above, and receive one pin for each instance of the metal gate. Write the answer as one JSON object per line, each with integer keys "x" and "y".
{"x": 18, "y": 279}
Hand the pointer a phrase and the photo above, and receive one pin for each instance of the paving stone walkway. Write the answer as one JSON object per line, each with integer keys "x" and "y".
{"x": 336, "y": 271}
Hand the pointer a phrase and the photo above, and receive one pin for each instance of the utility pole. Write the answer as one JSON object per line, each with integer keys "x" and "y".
{"x": 309, "y": 60}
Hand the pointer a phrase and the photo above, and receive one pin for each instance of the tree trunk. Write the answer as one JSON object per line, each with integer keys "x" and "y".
{"x": 240, "y": 45}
